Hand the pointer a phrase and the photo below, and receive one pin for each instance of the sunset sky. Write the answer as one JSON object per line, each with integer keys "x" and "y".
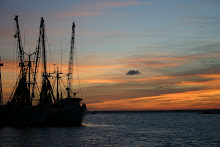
{"x": 132, "y": 55}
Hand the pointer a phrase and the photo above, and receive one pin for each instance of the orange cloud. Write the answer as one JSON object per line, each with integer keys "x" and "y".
{"x": 108, "y": 88}
{"x": 202, "y": 99}
{"x": 168, "y": 97}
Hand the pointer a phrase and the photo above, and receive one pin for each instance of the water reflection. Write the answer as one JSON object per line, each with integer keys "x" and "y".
{"x": 122, "y": 130}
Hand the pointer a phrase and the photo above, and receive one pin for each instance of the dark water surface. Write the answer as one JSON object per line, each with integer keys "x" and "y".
{"x": 123, "y": 129}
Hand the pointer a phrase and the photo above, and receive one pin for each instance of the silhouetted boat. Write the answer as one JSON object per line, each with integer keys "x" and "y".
{"x": 67, "y": 111}
{"x": 19, "y": 110}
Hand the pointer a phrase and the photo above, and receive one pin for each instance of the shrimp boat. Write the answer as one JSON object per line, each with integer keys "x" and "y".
{"x": 50, "y": 110}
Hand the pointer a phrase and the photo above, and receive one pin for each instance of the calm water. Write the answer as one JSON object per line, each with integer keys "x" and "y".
{"x": 123, "y": 129}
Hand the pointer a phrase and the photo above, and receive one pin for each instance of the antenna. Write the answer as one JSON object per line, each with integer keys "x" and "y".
{"x": 24, "y": 41}
{"x": 61, "y": 55}
{"x": 1, "y": 97}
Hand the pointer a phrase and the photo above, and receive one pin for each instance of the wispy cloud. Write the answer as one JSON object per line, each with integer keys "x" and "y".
{"x": 108, "y": 4}
{"x": 186, "y": 100}
{"x": 76, "y": 14}
{"x": 96, "y": 8}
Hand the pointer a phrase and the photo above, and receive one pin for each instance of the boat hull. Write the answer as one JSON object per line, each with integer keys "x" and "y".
{"x": 66, "y": 114}
{"x": 65, "y": 118}
{"x": 23, "y": 116}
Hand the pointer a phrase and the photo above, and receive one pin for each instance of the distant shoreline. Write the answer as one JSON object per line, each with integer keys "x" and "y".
{"x": 202, "y": 111}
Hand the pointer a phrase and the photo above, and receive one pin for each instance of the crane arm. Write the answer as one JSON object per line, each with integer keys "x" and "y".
{"x": 37, "y": 54}
{"x": 71, "y": 56}
{"x": 44, "y": 47}
{"x": 19, "y": 43}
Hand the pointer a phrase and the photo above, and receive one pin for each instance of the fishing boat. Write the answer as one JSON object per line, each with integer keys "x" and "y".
{"x": 50, "y": 110}
{"x": 69, "y": 110}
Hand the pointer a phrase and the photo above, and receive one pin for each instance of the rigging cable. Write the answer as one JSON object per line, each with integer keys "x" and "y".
{"x": 63, "y": 52}
{"x": 13, "y": 61}
{"x": 63, "y": 83}
{"x": 24, "y": 42}
{"x": 78, "y": 72}
{"x": 49, "y": 48}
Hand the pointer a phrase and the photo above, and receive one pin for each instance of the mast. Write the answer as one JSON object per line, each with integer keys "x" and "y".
{"x": 20, "y": 93}
{"x": 29, "y": 65}
{"x": 29, "y": 75}
{"x": 44, "y": 49}
{"x": 46, "y": 94}
{"x": 1, "y": 97}
{"x": 58, "y": 84}
{"x": 37, "y": 55}
{"x": 19, "y": 45}
{"x": 71, "y": 62}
